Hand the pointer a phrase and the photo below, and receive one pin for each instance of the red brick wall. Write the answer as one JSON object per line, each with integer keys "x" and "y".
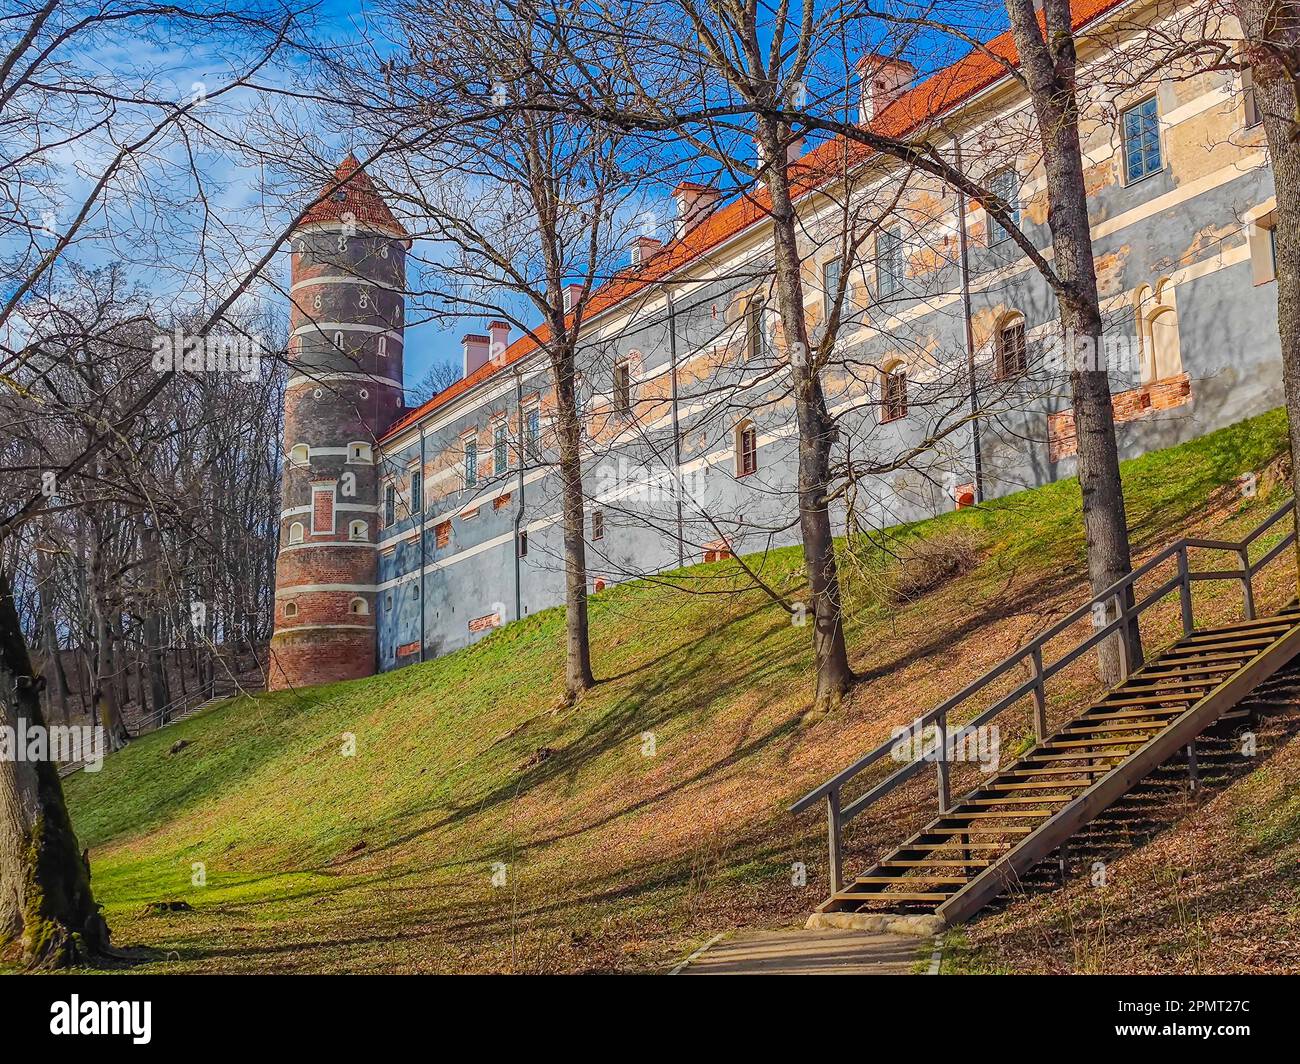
{"x": 1062, "y": 441}
{"x": 307, "y": 658}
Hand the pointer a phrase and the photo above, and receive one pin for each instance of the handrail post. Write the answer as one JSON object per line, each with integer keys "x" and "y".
{"x": 1121, "y": 608}
{"x": 1185, "y": 591}
{"x": 941, "y": 763}
{"x": 1247, "y": 592}
{"x": 833, "y": 835}
{"x": 1040, "y": 696}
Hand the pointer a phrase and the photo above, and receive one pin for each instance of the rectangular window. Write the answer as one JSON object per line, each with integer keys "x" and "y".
{"x": 523, "y": 543}
{"x": 500, "y": 448}
{"x": 1005, "y": 186}
{"x": 889, "y": 263}
{"x": 1142, "y": 141}
{"x": 533, "y": 431}
{"x": 390, "y": 505}
{"x": 597, "y": 525}
{"x": 417, "y": 492}
{"x": 830, "y": 286}
{"x": 622, "y": 388}
{"x": 755, "y": 346}
{"x": 442, "y": 533}
{"x": 471, "y": 462}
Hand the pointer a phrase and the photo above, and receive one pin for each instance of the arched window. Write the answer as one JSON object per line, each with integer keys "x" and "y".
{"x": 746, "y": 448}
{"x": 296, "y": 532}
{"x": 358, "y": 607}
{"x": 291, "y": 609}
{"x": 359, "y": 451}
{"x": 1159, "y": 346}
{"x": 383, "y": 346}
{"x": 300, "y": 454}
{"x": 599, "y": 585}
{"x": 338, "y": 339}
{"x": 893, "y": 392}
{"x": 1010, "y": 352}
{"x": 357, "y": 530}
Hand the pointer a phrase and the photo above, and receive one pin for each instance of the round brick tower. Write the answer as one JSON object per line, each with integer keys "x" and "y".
{"x": 344, "y": 391}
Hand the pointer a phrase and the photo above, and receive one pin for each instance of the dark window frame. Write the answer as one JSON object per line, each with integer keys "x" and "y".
{"x": 1145, "y": 115}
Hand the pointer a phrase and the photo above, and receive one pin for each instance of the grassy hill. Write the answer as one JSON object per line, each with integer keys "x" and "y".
{"x": 628, "y": 828}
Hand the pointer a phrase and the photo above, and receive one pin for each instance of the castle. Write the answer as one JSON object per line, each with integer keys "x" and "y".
{"x": 408, "y": 533}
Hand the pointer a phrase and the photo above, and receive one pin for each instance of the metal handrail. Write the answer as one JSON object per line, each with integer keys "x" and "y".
{"x": 1115, "y": 597}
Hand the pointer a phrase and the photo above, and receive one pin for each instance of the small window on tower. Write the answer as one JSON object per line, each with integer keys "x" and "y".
{"x": 338, "y": 340}
{"x": 296, "y": 532}
{"x": 358, "y": 530}
{"x": 383, "y": 346}
{"x": 291, "y": 609}
{"x": 359, "y": 452}
{"x": 358, "y": 607}
{"x": 300, "y": 454}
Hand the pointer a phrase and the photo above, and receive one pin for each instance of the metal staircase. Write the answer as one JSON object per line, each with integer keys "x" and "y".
{"x": 980, "y": 847}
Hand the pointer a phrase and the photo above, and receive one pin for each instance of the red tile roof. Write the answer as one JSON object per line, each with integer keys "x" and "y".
{"x": 938, "y": 93}
{"x": 353, "y": 193}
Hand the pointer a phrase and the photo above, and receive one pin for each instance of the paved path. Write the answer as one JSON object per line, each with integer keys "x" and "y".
{"x": 799, "y": 952}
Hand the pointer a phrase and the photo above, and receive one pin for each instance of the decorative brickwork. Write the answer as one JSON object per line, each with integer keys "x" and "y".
{"x": 346, "y": 314}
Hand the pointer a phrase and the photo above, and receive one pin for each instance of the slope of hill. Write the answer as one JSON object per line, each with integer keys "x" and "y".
{"x": 453, "y": 816}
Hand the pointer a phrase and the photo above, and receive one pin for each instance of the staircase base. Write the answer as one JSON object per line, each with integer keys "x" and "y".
{"x": 922, "y": 926}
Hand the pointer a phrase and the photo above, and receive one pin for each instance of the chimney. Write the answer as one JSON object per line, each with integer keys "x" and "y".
{"x": 572, "y": 293}
{"x": 499, "y": 331}
{"x": 694, "y": 204}
{"x": 794, "y": 149}
{"x": 643, "y": 247}
{"x": 883, "y": 80}
{"x": 476, "y": 351}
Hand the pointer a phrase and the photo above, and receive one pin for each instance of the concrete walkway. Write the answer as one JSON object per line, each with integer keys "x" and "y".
{"x": 799, "y": 952}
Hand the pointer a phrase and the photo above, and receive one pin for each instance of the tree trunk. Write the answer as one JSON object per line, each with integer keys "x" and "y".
{"x": 1272, "y": 31}
{"x": 46, "y": 902}
{"x": 1049, "y": 65}
{"x": 49, "y": 634}
{"x": 578, "y": 676}
{"x": 817, "y": 431}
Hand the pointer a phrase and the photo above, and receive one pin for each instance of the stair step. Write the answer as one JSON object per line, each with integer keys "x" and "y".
{"x": 893, "y": 895}
{"x": 1026, "y": 798}
{"x": 1043, "y": 785}
{"x": 994, "y": 830}
{"x": 1132, "y": 714}
{"x": 974, "y": 862}
{"x": 1121, "y": 698}
{"x": 1000, "y": 814}
{"x": 904, "y": 880}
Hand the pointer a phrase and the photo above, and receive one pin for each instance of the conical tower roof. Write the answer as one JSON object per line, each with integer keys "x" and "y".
{"x": 358, "y": 198}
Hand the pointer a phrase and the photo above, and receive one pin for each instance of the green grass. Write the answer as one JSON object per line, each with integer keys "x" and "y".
{"x": 615, "y": 861}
